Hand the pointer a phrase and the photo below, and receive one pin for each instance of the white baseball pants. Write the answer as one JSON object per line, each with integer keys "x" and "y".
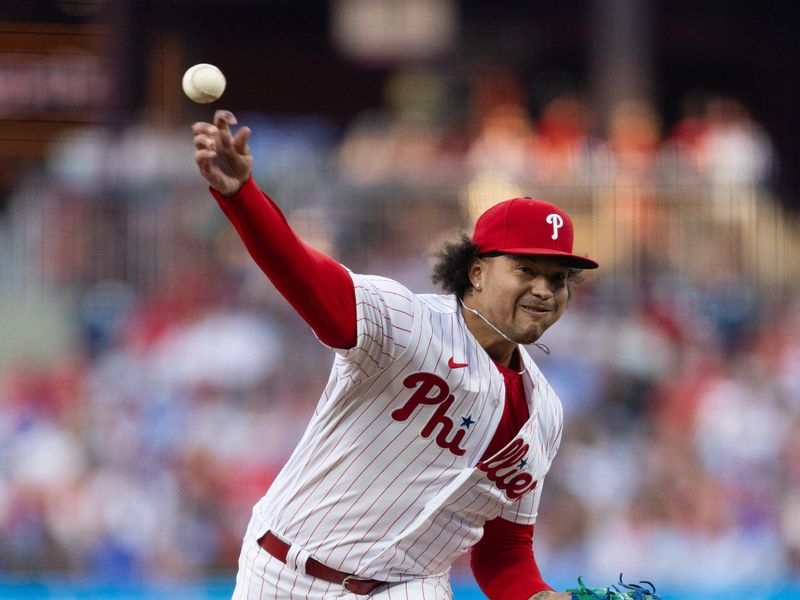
{"x": 263, "y": 577}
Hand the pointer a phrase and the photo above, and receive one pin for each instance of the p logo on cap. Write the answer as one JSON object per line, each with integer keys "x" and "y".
{"x": 557, "y": 222}
{"x": 527, "y": 226}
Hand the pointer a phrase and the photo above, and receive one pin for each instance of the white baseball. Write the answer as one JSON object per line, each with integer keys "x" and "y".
{"x": 203, "y": 83}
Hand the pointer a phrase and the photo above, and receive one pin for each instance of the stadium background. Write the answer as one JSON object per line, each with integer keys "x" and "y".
{"x": 151, "y": 382}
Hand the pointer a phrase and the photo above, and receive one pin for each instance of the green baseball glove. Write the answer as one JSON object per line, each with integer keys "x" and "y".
{"x": 630, "y": 591}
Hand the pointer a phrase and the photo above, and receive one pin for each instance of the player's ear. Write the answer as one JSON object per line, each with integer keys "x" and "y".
{"x": 475, "y": 272}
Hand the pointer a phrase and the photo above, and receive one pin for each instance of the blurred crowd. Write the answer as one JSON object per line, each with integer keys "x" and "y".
{"x": 152, "y": 383}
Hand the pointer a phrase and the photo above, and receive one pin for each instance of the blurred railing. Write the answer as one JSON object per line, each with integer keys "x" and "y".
{"x": 63, "y": 235}
{"x": 688, "y": 229}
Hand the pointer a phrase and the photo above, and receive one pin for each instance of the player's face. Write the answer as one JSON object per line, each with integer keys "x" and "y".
{"x": 521, "y": 295}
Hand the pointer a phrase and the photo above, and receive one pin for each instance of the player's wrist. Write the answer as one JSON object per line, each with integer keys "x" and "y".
{"x": 229, "y": 189}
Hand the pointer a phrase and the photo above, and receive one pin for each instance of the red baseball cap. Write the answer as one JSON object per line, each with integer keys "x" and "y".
{"x": 528, "y": 226}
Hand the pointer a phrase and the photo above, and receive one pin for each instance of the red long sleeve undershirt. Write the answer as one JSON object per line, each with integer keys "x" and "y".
{"x": 322, "y": 292}
{"x": 317, "y": 287}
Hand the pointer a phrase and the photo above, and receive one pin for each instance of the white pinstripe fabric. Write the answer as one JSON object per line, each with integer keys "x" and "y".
{"x": 263, "y": 577}
{"x": 365, "y": 492}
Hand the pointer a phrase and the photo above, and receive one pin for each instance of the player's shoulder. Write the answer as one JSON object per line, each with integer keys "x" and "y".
{"x": 440, "y": 303}
{"x": 381, "y": 285}
{"x": 445, "y": 304}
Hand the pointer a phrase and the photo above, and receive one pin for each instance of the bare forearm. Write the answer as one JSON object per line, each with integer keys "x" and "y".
{"x": 551, "y": 595}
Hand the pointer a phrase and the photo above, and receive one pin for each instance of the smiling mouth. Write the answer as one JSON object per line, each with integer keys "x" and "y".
{"x": 536, "y": 310}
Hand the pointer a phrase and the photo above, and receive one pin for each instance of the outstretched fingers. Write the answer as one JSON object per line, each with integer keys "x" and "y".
{"x": 223, "y": 158}
{"x": 223, "y": 119}
{"x": 218, "y": 136}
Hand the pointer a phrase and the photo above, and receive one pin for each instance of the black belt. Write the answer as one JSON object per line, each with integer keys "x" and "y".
{"x": 356, "y": 585}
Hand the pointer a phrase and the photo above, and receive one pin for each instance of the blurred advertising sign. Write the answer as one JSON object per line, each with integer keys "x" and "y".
{"x": 51, "y": 76}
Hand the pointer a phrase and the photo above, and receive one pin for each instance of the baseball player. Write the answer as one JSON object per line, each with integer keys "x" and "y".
{"x": 435, "y": 430}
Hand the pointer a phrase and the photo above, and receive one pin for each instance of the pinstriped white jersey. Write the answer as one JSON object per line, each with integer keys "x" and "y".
{"x": 386, "y": 482}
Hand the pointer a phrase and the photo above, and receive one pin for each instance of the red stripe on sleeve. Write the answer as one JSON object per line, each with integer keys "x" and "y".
{"x": 317, "y": 287}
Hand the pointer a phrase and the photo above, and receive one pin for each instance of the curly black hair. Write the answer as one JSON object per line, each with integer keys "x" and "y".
{"x": 451, "y": 268}
{"x": 451, "y": 271}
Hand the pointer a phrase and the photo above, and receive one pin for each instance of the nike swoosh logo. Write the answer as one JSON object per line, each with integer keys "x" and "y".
{"x": 454, "y": 365}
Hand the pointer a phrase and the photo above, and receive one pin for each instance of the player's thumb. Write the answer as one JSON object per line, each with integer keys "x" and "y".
{"x": 240, "y": 141}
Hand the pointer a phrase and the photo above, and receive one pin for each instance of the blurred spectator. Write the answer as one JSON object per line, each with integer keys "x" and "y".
{"x": 563, "y": 144}
{"x": 681, "y": 153}
{"x": 634, "y": 136}
{"x": 504, "y": 143}
{"x": 403, "y": 144}
{"x": 734, "y": 150}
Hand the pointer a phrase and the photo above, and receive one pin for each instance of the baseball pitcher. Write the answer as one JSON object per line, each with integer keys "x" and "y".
{"x": 435, "y": 430}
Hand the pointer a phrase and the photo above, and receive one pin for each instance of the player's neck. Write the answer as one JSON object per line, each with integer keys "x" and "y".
{"x": 499, "y": 349}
